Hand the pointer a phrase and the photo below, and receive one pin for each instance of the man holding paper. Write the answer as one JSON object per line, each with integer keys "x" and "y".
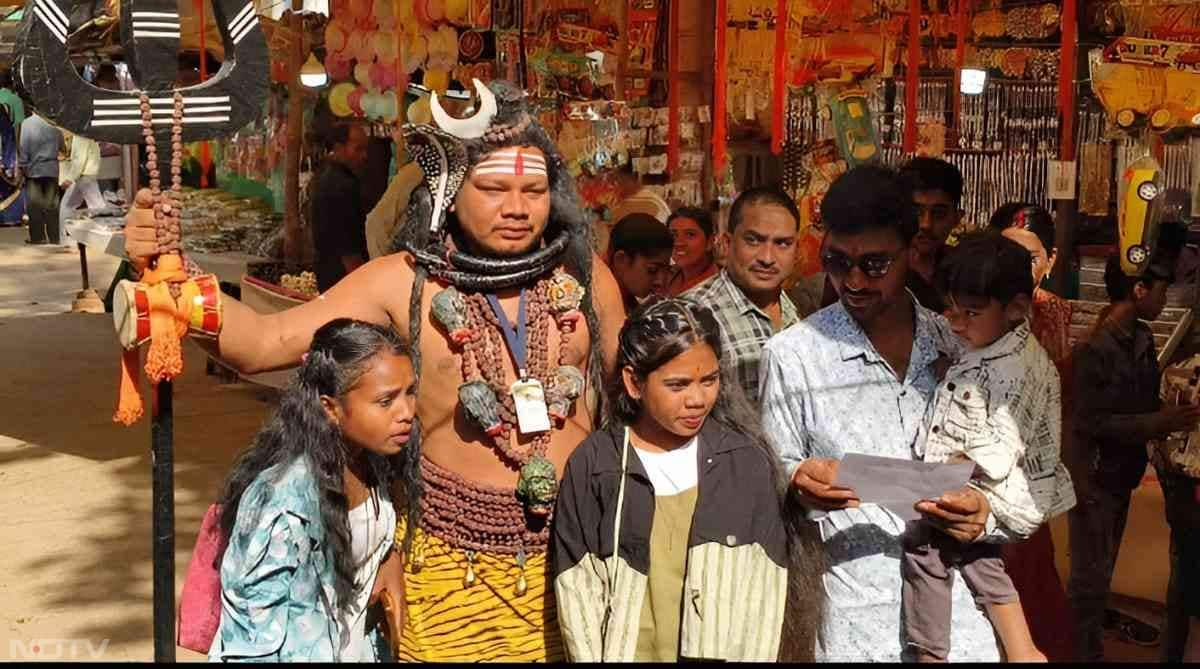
{"x": 855, "y": 378}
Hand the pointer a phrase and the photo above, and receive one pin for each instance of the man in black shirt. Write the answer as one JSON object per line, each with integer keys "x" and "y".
{"x": 1117, "y": 410}
{"x": 937, "y": 191}
{"x": 338, "y": 216}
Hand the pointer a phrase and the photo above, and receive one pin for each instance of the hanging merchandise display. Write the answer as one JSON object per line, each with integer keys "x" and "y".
{"x": 1095, "y": 165}
{"x": 641, "y": 34}
{"x": 1177, "y": 21}
{"x": 853, "y": 128}
{"x": 1146, "y": 80}
{"x": 750, "y": 35}
{"x": 374, "y": 47}
{"x": 1138, "y": 213}
{"x": 1141, "y": 93}
{"x": 572, "y": 49}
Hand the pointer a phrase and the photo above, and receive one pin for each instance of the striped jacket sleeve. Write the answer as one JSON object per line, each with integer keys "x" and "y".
{"x": 578, "y": 586}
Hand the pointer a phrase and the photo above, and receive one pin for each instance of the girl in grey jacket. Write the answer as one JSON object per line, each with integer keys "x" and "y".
{"x": 670, "y": 537}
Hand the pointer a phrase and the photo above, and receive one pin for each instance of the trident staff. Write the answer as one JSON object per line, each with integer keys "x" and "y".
{"x": 164, "y": 117}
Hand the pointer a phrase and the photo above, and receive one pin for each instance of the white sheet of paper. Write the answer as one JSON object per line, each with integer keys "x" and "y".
{"x": 899, "y": 484}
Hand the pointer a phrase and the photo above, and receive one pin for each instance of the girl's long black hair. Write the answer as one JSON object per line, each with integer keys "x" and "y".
{"x": 340, "y": 354}
{"x": 657, "y": 332}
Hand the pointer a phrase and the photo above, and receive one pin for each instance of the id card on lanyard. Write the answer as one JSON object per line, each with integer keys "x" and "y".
{"x": 528, "y": 395}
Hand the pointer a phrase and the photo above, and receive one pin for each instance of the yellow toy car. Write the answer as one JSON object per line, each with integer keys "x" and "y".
{"x": 1138, "y": 214}
{"x": 1165, "y": 98}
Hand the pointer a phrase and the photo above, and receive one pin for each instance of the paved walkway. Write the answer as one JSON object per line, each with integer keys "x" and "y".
{"x": 74, "y": 486}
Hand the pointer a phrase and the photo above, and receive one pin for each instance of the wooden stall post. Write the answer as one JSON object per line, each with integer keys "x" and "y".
{"x": 1064, "y": 210}
{"x": 295, "y": 125}
{"x": 912, "y": 75}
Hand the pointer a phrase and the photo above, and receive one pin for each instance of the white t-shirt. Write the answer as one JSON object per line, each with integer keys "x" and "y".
{"x": 370, "y": 540}
{"x": 674, "y": 471}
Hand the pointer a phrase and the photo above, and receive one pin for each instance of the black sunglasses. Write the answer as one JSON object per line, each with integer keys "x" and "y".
{"x": 874, "y": 265}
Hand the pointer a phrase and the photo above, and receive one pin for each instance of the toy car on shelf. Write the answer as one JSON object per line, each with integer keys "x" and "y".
{"x": 1138, "y": 213}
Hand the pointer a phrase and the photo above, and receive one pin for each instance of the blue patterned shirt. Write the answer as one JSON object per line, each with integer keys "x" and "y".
{"x": 271, "y": 609}
{"x": 826, "y": 392}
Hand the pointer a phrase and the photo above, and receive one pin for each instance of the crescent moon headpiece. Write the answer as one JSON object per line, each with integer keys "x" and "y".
{"x": 495, "y": 139}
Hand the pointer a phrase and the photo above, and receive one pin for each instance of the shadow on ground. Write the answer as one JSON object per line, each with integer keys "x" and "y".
{"x": 76, "y": 487}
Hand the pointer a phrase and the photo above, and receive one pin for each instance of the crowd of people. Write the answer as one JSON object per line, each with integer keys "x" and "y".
{"x": 530, "y": 447}
{"x": 57, "y": 172}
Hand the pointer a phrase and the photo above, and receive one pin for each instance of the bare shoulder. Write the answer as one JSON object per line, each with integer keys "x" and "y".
{"x": 607, "y": 295}
{"x": 610, "y": 309}
{"x": 604, "y": 286}
{"x": 384, "y": 283}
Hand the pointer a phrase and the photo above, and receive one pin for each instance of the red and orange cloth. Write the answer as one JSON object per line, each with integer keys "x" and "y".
{"x": 164, "y": 320}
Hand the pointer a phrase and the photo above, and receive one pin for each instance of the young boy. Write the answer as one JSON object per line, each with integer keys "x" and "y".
{"x": 639, "y": 255}
{"x": 998, "y": 406}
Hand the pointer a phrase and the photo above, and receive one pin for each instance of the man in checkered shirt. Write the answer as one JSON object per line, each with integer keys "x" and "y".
{"x": 747, "y": 295}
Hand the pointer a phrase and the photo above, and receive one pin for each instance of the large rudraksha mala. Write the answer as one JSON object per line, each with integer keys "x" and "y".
{"x": 485, "y": 393}
{"x": 477, "y": 518}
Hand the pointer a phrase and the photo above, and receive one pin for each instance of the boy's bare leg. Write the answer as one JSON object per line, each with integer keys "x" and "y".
{"x": 1009, "y": 621}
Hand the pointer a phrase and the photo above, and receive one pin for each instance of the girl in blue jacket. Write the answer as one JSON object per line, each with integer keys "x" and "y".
{"x": 306, "y": 511}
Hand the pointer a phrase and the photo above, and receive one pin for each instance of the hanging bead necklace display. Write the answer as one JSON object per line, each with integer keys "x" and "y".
{"x": 1006, "y": 135}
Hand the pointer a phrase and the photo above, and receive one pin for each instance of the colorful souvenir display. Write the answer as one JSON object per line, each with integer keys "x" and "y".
{"x": 373, "y": 47}
{"x": 571, "y": 49}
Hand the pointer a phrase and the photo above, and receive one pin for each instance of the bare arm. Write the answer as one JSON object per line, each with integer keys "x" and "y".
{"x": 251, "y": 342}
{"x": 609, "y": 309}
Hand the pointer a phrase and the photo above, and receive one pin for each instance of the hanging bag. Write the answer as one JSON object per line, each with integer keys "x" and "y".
{"x": 200, "y": 601}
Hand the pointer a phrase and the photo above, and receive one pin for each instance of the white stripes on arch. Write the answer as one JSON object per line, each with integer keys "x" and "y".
{"x": 53, "y": 18}
{"x": 155, "y": 24}
{"x": 126, "y": 111}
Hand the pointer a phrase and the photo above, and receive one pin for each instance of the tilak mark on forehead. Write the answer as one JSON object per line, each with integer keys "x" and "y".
{"x": 513, "y": 161}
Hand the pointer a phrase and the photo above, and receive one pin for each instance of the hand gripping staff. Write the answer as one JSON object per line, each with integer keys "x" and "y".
{"x": 165, "y": 304}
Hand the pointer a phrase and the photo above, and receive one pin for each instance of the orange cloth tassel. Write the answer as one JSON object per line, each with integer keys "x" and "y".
{"x": 129, "y": 401}
{"x": 164, "y": 360}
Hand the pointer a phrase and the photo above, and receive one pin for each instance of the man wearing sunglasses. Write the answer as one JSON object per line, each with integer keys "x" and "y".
{"x": 936, "y": 188}
{"x": 856, "y": 377}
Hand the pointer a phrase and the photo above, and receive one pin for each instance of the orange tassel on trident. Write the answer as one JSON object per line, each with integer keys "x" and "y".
{"x": 149, "y": 311}
{"x": 146, "y": 312}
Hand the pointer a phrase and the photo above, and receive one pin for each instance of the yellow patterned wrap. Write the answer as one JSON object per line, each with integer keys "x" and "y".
{"x": 447, "y": 621}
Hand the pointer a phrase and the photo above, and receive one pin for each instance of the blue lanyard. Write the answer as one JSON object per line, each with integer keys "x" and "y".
{"x": 517, "y": 337}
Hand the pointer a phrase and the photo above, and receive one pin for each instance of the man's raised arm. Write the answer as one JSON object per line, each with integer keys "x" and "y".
{"x": 251, "y": 342}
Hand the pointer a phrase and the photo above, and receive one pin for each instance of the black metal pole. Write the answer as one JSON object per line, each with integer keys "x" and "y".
{"x": 83, "y": 269}
{"x": 164, "y": 524}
